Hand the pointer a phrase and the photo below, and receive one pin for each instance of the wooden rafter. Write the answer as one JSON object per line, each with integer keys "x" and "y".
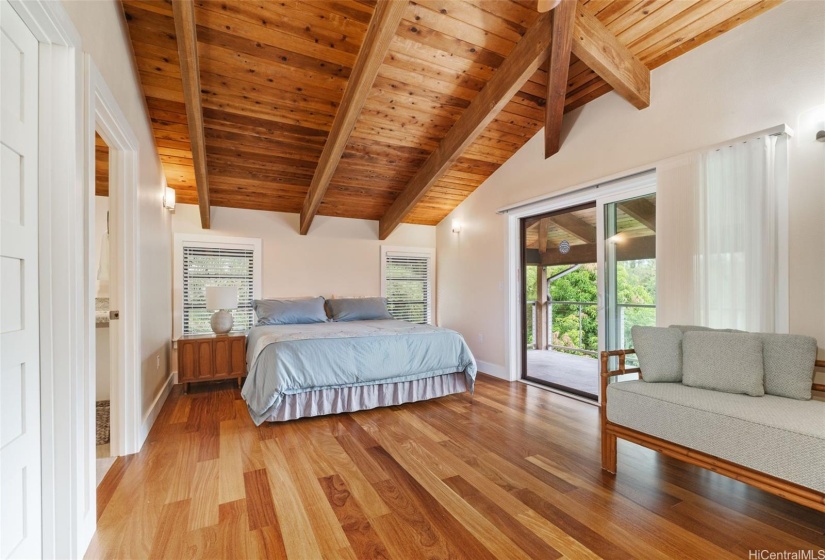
{"x": 564, "y": 16}
{"x": 273, "y": 75}
{"x": 641, "y": 210}
{"x": 543, "y": 227}
{"x": 382, "y": 28}
{"x": 184, "y": 15}
{"x": 526, "y": 57}
{"x": 575, "y": 227}
{"x": 599, "y": 49}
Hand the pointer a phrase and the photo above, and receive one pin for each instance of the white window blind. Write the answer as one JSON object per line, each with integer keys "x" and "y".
{"x": 407, "y": 286}
{"x": 215, "y": 266}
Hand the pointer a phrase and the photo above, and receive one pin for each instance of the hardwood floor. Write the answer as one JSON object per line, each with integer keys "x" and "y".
{"x": 511, "y": 472}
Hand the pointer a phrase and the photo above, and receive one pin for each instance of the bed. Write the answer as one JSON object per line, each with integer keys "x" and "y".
{"x": 301, "y": 370}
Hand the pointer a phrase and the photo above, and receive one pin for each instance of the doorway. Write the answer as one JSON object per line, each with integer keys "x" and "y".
{"x": 561, "y": 331}
{"x": 104, "y": 369}
{"x": 587, "y": 275}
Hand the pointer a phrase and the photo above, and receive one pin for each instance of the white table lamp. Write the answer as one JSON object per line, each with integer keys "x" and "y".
{"x": 221, "y": 299}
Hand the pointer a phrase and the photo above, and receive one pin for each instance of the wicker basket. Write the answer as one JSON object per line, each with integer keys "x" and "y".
{"x": 102, "y": 422}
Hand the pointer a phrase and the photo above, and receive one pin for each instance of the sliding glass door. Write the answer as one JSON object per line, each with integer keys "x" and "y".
{"x": 629, "y": 268}
{"x": 561, "y": 300}
{"x": 588, "y": 276}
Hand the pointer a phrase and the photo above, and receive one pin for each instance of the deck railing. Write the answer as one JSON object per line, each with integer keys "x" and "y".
{"x": 580, "y": 306}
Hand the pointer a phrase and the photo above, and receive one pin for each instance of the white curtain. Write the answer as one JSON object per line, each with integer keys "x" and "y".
{"x": 722, "y": 239}
{"x": 737, "y": 234}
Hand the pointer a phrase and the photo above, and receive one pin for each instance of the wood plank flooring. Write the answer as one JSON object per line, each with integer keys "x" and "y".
{"x": 511, "y": 472}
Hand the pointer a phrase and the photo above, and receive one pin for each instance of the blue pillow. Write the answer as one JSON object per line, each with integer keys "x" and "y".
{"x": 289, "y": 311}
{"x": 358, "y": 309}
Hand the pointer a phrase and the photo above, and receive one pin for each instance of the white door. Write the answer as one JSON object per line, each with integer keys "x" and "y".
{"x": 20, "y": 517}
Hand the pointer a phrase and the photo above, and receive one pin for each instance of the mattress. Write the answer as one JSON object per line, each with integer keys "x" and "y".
{"x": 285, "y": 360}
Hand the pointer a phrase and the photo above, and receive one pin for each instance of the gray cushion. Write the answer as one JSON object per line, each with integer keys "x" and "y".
{"x": 660, "y": 353}
{"x": 358, "y": 309}
{"x": 789, "y": 364}
{"x": 775, "y": 435}
{"x": 729, "y": 362}
{"x": 289, "y": 311}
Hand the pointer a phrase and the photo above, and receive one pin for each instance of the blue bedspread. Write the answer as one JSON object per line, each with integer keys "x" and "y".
{"x": 289, "y": 359}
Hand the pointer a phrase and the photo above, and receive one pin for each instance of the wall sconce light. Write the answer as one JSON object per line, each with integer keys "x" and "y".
{"x": 618, "y": 238}
{"x": 456, "y": 226}
{"x": 169, "y": 198}
{"x": 820, "y": 136}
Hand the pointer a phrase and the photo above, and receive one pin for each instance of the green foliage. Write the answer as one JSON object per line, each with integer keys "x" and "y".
{"x": 576, "y": 325}
{"x": 636, "y": 284}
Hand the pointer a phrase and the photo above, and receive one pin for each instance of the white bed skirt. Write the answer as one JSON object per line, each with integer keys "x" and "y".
{"x": 364, "y": 397}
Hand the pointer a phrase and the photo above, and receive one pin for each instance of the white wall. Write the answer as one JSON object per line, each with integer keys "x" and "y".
{"x": 105, "y": 38}
{"x": 339, "y": 256}
{"x": 768, "y": 71}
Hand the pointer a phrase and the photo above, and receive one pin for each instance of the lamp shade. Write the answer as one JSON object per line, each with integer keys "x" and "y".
{"x": 221, "y": 297}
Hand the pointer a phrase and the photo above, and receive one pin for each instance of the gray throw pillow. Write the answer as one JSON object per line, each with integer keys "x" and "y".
{"x": 728, "y": 362}
{"x": 358, "y": 309}
{"x": 789, "y": 364}
{"x": 660, "y": 353}
{"x": 289, "y": 311}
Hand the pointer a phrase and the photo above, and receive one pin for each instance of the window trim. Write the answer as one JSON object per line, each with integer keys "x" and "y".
{"x": 428, "y": 252}
{"x": 220, "y": 241}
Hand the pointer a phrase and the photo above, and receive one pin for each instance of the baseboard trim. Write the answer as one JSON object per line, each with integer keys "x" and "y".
{"x": 154, "y": 410}
{"x": 493, "y": 369}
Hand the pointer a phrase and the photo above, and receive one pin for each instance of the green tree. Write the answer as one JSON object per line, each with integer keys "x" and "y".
{"x": 576, "y": 325}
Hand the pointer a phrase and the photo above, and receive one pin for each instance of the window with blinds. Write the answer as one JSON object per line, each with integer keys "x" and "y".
{"x": 215, "y": 266}
{"x": 407, "y": 286}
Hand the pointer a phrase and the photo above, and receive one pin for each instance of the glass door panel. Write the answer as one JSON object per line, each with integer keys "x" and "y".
{"x": 560, "y": 315}
{"x": 629, "y": 269}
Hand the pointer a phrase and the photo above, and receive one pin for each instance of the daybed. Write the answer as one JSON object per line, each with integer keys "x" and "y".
{"x": 306, "y": 363}
{"x": 753, "y": 420}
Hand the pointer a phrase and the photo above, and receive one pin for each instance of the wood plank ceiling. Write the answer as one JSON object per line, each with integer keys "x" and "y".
{"x": 273, "y": 74}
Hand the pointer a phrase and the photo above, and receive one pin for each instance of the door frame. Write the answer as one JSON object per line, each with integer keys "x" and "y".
{"x": 73, "y": 99}
{"x": 613, "y": 186}
{"x": 523, "y": 308}
{"x": 103, "y": 115}
{"x": 638, "y": 187}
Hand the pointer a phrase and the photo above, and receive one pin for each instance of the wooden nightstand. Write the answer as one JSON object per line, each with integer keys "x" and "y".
{"x": 211, "y": 357}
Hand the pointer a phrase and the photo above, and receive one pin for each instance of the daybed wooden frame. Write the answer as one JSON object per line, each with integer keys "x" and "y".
{"x": 610, "y": 433}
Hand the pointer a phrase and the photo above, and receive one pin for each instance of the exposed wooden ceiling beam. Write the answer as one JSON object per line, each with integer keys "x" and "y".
{"x": 185, "y": 31}
{"x": 599, "y": 49}
{"x": 526, "y": 57}
{"x": 543, "y": 227}
{"x": 564, "y": 17}
{"x": 576, "y": 227}
{"x": 641, "y": 210}
{"x": 383, "y": 25}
